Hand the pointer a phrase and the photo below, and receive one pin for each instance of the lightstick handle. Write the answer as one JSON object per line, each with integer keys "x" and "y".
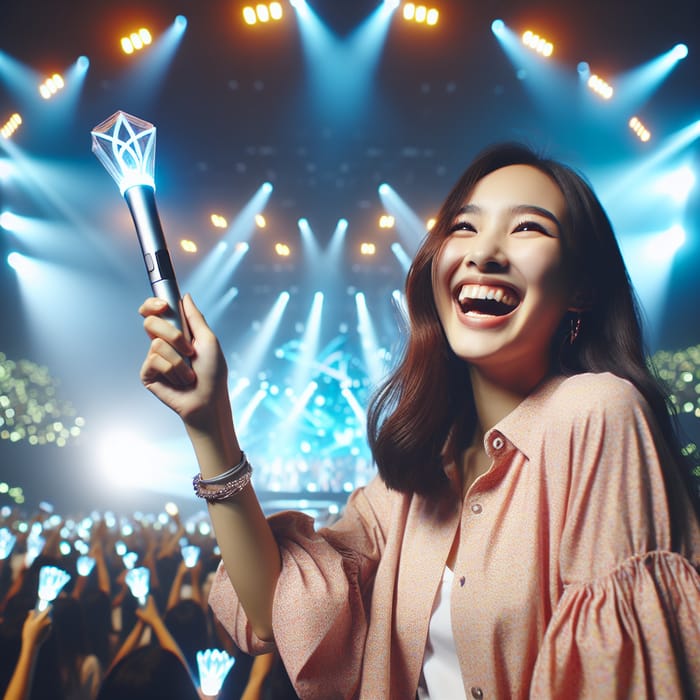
{"x": 142, "y": 205}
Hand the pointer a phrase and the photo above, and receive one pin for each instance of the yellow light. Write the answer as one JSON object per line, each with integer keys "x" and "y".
{"x": 262, "y": 12}
{"x": 368, "y": 249}
{"x": 599, "y": 86}
{"x": 409, "y": 11}
{"x": 249, "y": 16}
{"x": 44, "y": 91}
{"x": 260, "y": 221}
{"x": 538, "y": 43}
{"x": 432, "y": 19}
{"x": 127, "y": 46}
{"x": 218, "y": 221}
{"x": 386, "y": 221}
{"x": 421, "y": 13}
{"x": 188, "y": 246}
{"x": 57, "y": 80}
{"x": 282, "y": 249}
{"x": 275, "y": 10}
{"x": 642, "y": 132}
{"x": 430, "y": 223}
{"x": 136, "y": 41}
{"x": 145, "y": 36}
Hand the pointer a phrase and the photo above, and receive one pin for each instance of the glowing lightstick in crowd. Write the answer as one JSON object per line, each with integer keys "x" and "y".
{"x": 85, "y": 565}
{"x": 7, "y": 542}
{"x": 126, "y": 147}
{"x": 190, "y": 555}
{"x": 213, "y": 665}
{"x": 51, "y": 581}
{"x": 129, "y": 559}
{"x": 35, "y": 545}
{"x": 139, "y": 582}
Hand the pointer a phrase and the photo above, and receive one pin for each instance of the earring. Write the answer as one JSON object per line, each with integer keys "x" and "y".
{"x": 575, "y": 329}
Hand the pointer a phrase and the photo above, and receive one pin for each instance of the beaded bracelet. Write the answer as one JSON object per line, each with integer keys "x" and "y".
{"x": 226, "y": 490}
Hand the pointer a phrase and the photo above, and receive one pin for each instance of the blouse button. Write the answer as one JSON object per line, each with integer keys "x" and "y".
{"x": 498, "y": 443}
{"x": 477, "y": 693}
{"x": 476, "y": 508}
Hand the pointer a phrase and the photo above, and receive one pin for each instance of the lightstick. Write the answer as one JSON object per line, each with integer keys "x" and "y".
{"x": 129, "y": 560}
{"x": 126, "y": 147}
{"x": 51, "y": 581}
{"x": 85, "y": 565}
{"x": 139, "y": 582}
{"x": 190, "y": 555}
{"x": 213, "y": 665}
{"x": 7, "y": 542}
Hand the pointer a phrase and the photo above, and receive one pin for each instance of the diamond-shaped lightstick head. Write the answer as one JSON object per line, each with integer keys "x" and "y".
{"x": 213, "y": 665}
{"x": 126, "y": 146}
{"x": 51, "y": 581}
{"x": 7, "y": 542}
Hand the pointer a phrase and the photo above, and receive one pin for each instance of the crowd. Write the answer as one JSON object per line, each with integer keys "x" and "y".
{"x": 102, "y": 638}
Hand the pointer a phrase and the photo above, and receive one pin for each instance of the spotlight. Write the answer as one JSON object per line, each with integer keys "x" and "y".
{"x": 282, "y": 249}
{"x": 680, "y": 51}
{"x": 600, "y": 87}
{"x": 386, "y": 221}
{"x": 584, "y": 70}
{"x": 498, "y": 27}
{"x": 262, "y": 13}
{"x": 181, "y": 22}
{"x": 420, "y": 14}
{"x": 136, "y": 41}
{"x": 83, "y": 63}
{"x": 538, "y": 43}
{"x": 260, "y": 221}
{"x": 642, "y": 132}
{"x": 188, "y": 246}
{"x": 51, "y": 86}
{"x": 368, "y": 249}
{"x": 218, "y": 221}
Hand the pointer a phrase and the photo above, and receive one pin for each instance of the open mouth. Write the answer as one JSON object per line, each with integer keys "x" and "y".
{"x": 479, "y": 299}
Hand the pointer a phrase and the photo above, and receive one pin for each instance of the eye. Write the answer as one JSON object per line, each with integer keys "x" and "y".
{"x": 529, "y": 226}
{"x": 462, "y": 226}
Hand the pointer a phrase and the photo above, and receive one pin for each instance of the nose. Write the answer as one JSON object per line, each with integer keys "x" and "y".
{"x": 486, "y": 255}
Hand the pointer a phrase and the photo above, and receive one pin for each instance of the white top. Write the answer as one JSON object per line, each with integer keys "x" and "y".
{"x": 441, "y": 678}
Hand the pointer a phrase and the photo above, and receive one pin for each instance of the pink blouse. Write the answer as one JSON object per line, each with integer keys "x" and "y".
{"x": 576, "y": 575}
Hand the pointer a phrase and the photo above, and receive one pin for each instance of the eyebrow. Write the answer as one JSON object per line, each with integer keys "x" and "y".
{"x": 517, "y": 210}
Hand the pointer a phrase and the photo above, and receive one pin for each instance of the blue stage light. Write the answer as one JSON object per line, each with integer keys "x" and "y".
{"x": 498, "y": 27}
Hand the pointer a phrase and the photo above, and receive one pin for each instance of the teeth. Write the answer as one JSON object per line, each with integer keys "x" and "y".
{"x": 477, "y": 291}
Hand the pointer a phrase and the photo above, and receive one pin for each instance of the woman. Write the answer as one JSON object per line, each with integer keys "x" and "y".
{"x": 529, "y": 533}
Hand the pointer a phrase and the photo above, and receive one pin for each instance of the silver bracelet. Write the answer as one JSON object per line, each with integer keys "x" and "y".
{"x": 227, "y": 475}
{"x": 212, "y": 494}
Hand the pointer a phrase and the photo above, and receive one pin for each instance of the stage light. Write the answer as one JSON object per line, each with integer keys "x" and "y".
{"x": 181, "y": 22}
{"x": 600, "y": 87}
{"x": 430, "y": 223}
{"x": 368, "y": 249}
{"x": 498, "y": 27}
{"x": 386, "y": 221}
{"x": 584, "y": 70}
{"x": 51, "y": 86}
{"x": 188, "y": 246}
{"x": 537, "y": 43}
{"x": 262, "y": 13}
{"x": 11, "y": 125}
{"x": 680, "y": 51}
{"x": 663, "y": 246}
{"x": 136, "y": 41}
{"x": 260, "y": 221}
{"x": 420, "y": 14}
{"x": 677, "y": 184}
{"x": 282, "y": 249}
{"x": 218, "y": 221}
{"x": 642, "y": 132}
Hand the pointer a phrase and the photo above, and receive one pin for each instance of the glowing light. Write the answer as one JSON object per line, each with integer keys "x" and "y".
{"x": 51, "y": 581}
{"x": 51, "y": 86}
{"x": 85, "y": 565}
{"x": 213, "y": 666}
{"x": 498, "y": 27}
{"x": 126, "y": 147}
{"x": 260, "y": 221}
{"x": 663, "y": 246}
{"x": 190, "y": 555}
{"x": 386, "y": 221}
{"x": 368, "y": 249}
{"x": 600, "y": 87}
{"x": 139, "y": 582}
{"x": 430, "y": 223}
{"x": 263, "y": 13}
{"x": 129, "y": 559}
{"x": 420, "y": 14}
{"x": 680, "y": 51}
{"x": 537, "y": 43}
{"x": 282, "y": 249}
{"x": 642, "y": 132}
{"x": 7, "y": 542}
{"x": 188, "y": 246}
{"x": 136, "y": 41}
{"x": 11, "y": 125}
{"x": 218, "y": 221}
{"x": 677, "y": 184}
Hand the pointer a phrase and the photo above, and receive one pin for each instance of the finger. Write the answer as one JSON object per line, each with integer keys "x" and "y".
{"x": 163, "y": 362}
{"x": 157, "y": 327}
{"x": 195, "y": 318}
{"x": 153, "y": 305}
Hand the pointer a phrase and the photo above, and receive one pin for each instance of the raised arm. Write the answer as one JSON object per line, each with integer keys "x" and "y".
{"x": 199, "y": 395}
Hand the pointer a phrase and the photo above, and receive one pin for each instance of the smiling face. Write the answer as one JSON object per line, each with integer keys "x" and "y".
{"x": 499, "y": 278}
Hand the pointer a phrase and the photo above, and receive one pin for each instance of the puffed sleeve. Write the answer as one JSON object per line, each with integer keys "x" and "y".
{"x": 319, "y": 615}
{"x": 627, "y": 624}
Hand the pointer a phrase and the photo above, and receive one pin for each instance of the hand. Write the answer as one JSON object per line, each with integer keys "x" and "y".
{"x": 149, "y": 612}
{"x": 195, "y": 393}
{"x": 36, "y": 628}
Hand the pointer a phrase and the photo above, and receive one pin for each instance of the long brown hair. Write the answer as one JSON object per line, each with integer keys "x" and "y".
{"x": 424, "y": 413}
